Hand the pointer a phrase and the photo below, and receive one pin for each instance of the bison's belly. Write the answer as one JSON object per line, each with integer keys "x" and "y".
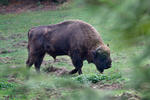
{"x": 58, "y": 53}
{"x": 60, "y": 48}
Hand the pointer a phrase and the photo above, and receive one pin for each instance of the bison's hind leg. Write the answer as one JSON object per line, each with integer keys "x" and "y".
{"x": 38, "y": 61}
{"x": 35, "y": 58}
{"x": 29, "y": 62}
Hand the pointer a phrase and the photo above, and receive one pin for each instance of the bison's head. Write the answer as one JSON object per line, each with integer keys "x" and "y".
{"x": 101, "y": 58}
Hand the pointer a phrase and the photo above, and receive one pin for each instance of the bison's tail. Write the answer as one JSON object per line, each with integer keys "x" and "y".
{"x": 29, "y": 61}
{"x": 29, "y": 33}
{"x": 28, "y": 39}
{"x": 29, "y": 36}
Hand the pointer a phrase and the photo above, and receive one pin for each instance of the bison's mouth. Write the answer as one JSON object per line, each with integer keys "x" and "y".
{"x": 108, "y": 66}
{"x": 102, "y": 70}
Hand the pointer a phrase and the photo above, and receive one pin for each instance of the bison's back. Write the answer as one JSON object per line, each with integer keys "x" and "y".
{"x": 80, "y": 34}
{"x": 60, "y": 38}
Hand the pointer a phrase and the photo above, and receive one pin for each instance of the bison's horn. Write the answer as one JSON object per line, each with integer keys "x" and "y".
{"x": 98, "y": 48}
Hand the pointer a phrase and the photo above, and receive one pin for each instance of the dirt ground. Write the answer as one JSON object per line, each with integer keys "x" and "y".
{"x": 22, "y": 7}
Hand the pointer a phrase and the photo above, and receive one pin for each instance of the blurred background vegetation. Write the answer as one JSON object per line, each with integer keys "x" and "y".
{"x": 125, "y": 24}
{"x": 132, "y": 24}
{"x": 9, "y": 2}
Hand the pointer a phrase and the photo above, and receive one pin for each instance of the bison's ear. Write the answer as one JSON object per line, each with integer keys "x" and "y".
{"x": 108, "y": 45}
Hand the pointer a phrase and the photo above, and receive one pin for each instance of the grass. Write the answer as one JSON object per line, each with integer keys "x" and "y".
{"x": 46, "y": 86}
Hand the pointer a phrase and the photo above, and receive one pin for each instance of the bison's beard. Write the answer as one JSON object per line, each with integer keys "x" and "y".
{"x": 101, "y": 70}
{"x": 103, "y": 66}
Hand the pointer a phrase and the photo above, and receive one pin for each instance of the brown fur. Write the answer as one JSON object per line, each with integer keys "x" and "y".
{"x": 74, "y": 38}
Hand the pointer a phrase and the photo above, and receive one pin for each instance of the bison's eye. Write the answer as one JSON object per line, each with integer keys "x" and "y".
{"x": 103, "y": 56}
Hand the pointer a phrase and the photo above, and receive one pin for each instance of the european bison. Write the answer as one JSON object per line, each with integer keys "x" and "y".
{"x": 74, "y": 38}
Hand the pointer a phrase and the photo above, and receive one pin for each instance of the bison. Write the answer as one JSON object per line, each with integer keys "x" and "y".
{"x": 74, "y": 38}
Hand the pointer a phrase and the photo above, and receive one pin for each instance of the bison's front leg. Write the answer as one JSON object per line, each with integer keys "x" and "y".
{"x": 80, "y": 71}
{"x": 77, "y": 62}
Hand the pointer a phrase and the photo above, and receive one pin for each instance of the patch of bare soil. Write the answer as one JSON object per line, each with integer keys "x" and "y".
{"x": 126, "y": 96}
{"x": 117, "y": 59}
{"x": 15, "y": 36}
{"x": 116, "y": 86}
{"x": 21, "y": 44}
{"x": 12, "y": 78}
{"x": 56, "y": 71}
{"x": 3, "y": 51}
{"x": 5, "y": 60}
{"x": 2, "y": 37}
{"x": 64, "y": 60}
{"x": 103, "y": 86}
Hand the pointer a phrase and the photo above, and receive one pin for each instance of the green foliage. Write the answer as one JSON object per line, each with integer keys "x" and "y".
{"x": 94, "y": 78}
{"x": 6, "y": 84}
{"x": 134, "y": 23}
{"x": 4, "y": 2}
{"x": 131, "y": 27}
{"x": 143, "y": 81}
{"x": 132, "y": 18}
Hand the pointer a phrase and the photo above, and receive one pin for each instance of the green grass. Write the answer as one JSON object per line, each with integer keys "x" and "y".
{"x": 51, "y": 86}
